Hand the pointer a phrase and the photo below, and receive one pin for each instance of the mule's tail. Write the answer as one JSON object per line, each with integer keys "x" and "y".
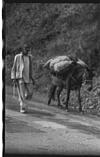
{"x": 51, "y": 94}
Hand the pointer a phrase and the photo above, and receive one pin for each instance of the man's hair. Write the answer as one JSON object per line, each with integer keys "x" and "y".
{"x": 26, "y": 47}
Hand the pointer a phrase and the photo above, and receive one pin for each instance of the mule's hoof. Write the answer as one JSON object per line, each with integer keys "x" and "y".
{"x": 80, "y": 109}
{"x": 48, "y": 104}
{"x": 59, "y": 106}
{"x": 64, "y": 103}
{"x": 81, "y": 112}
{"x": 66, "y": 110}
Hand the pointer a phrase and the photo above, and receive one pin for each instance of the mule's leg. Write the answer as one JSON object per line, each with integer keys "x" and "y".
{"x": 51, "y": 93}
{"x": 68, "y": 95}
{"x": 59, "y": 89}
{"x": 79, "y": 100}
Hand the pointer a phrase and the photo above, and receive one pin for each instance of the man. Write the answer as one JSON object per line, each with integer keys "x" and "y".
{"x": 21, "y": 74}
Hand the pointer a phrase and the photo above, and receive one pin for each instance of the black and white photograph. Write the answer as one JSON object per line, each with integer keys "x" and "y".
{"x": 51, "y": 78}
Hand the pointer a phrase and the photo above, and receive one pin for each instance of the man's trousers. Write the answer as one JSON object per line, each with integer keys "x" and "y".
{"x": 25, "y": 92}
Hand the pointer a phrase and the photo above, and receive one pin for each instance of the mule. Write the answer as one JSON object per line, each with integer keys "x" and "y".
{"x": 71, "y": 80}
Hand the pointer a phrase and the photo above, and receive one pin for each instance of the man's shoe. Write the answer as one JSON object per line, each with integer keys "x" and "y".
{"x": 22, "y": 110}
{"x": 28, "y": 97}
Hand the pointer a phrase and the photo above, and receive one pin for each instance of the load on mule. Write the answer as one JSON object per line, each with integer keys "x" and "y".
{"x": 70, "y": 73}
{"x": 58, "y": 64}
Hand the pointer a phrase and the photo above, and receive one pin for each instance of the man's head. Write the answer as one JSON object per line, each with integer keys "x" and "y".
{"x": 89, "y": 78}
{"x": 26, "y": 50}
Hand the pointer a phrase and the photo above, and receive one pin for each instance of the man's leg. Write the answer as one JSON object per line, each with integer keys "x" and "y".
{"x": 29, "y": 90}
{"x": 21, "y": 94}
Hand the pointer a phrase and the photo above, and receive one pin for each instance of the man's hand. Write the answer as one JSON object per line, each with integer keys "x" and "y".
{"x": 14, "y": 81}
{"x": 33, "y": 81}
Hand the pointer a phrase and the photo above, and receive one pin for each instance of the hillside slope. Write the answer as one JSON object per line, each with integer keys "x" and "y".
{"x": 55, "y": 28}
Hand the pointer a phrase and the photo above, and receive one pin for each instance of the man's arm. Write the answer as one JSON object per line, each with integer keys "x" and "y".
{"x": 31, "y": 70}
{"x": 13, "y": 70}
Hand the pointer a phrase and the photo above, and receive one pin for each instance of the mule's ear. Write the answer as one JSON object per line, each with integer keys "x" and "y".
{"x": 93, "y": 73}
{"x": 89, "y": 89}
{"x": 88, "y": 69}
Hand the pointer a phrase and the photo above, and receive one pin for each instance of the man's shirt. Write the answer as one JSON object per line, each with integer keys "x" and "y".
{"x": 22, "y": 68}
{"x": 26, "y": 69}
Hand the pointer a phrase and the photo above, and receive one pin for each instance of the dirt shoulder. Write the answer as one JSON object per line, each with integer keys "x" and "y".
{"x": 42, "y": 97}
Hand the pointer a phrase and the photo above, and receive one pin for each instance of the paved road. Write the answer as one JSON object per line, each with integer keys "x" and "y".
{"x": 49, "y": 130}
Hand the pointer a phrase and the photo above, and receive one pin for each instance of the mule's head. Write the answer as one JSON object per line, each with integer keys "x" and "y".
{"x": 89, "y": 78}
